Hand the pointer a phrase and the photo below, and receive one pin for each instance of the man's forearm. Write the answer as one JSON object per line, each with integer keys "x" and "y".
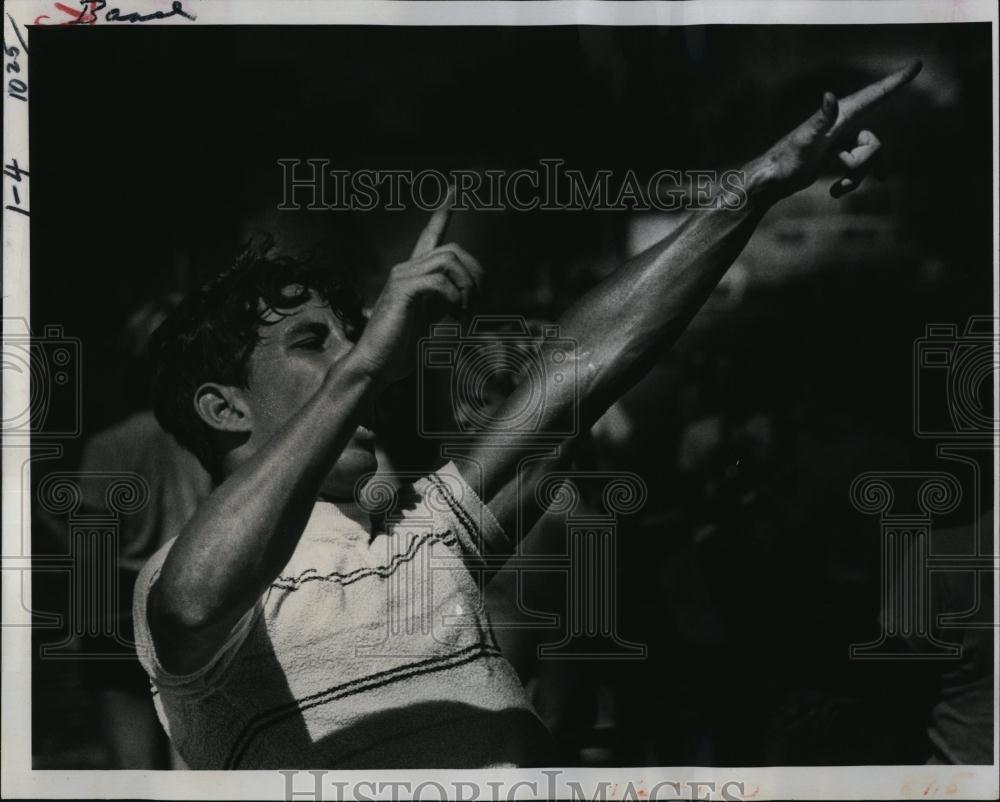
{"x": 619, "y": 329}
{"x": 623, "y": 324}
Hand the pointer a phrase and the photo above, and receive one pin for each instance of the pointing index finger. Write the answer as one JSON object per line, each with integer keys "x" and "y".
{"x": 861, "y": 101}
{"x": 430, "y": 237}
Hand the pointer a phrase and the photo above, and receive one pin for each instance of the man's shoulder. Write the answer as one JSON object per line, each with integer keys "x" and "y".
{"x": 445, "y": 501}
{"x": 140, "y": 596}
{"x": 151, "y": 568}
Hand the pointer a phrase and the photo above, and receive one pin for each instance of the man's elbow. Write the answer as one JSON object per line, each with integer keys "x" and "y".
{"x": 185, "y": 629}
{"x": 178, "y": 611}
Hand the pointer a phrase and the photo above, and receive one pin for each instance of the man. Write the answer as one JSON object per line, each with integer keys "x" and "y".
{"x": 282, "y": 628}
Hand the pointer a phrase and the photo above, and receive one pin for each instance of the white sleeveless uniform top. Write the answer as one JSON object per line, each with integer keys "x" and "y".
{"x": 369, "y": 650}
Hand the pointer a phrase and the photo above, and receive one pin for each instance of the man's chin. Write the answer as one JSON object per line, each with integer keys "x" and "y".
{"x": 352, "y": 472}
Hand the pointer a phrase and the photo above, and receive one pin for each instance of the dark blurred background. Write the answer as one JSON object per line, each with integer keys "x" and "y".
{"x": 748, "y": 573}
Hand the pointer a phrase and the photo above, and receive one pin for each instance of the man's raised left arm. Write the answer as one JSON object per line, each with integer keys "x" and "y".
{"x": 625, "y": 323}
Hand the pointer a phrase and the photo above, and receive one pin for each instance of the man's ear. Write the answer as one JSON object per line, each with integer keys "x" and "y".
{"x": 223, "y": 408}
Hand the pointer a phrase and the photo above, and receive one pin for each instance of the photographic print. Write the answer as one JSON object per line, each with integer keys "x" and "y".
{"x": 500, "y": 400}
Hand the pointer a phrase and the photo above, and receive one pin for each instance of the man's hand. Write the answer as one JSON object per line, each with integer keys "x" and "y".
{"x": 437, "y": 280}
{"x": 797, "y": 160}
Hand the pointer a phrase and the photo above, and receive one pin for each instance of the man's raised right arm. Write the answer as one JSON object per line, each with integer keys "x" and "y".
{"x": 247, "y": 529}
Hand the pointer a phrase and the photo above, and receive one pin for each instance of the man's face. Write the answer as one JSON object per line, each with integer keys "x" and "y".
{"x": 287, "y": 368}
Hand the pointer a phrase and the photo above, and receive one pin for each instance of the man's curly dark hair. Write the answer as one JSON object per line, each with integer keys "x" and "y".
{"x": 211, "y": 334}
